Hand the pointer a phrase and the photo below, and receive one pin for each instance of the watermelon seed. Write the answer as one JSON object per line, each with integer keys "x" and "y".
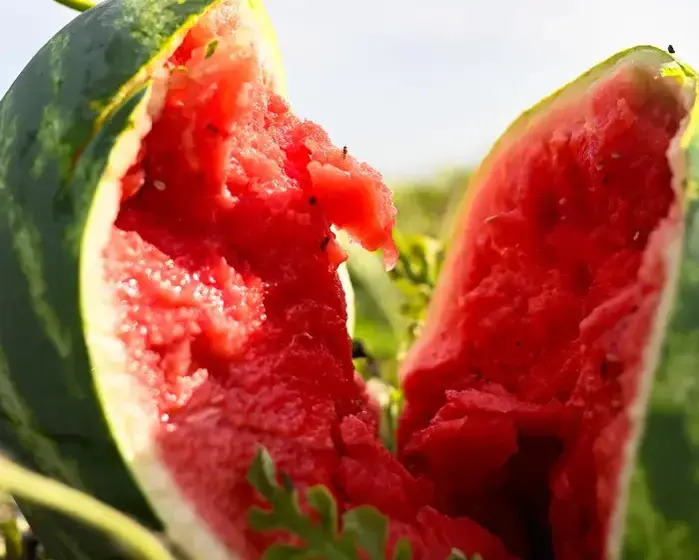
{"x": 636, "y": 235}
{"x": 324, "y": 243}
{"x": 671, "y": 49}
{"x": 605, "y": 179}
{"x": 616, "y": 155}
{"x": 344, "y": 152}
{"x": 213, "y": 128}
{"x": 312, "y": 201}
{"x": 159, "y": 185}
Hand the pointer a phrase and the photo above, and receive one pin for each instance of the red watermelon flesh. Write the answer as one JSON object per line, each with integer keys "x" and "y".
{"x": 225, "y": 269}
{"x": 519, "y": 390}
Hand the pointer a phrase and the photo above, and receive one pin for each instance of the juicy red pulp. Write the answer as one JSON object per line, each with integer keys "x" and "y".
{"x": 224, "y": 265}
{"x": 224, "y": 268}
{"x": 518, "y": 392}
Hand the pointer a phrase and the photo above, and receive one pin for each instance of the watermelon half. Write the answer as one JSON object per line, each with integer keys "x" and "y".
{"x": 172, "y": 297}
{"x": 170, "y": 287}
{"x": 564, "y": 312}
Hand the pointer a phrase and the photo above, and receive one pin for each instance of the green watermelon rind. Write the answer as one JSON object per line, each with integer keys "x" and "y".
{"x": 72, "y": 114}
{"x": 663, "y": 505}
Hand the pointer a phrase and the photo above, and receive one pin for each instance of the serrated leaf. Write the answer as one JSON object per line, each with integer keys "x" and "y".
{"x": 323, "y": 502}
{"x": 287, "y": 482}
{"x": 364, "y": 531}
{"x": 403, "y": 550}
{"x": 286, "y": 552}
{"x": 346, "y": 544}
{"x": 262, "y": 474}
{"x": 262, "y": 520}
{"x": 370, "y": 528}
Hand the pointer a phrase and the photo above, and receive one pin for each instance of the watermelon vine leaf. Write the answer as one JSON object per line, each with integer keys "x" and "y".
{"x": 363, "y": 533}
{"x": 419, "y": 263}
{"x": 79, "y": 5}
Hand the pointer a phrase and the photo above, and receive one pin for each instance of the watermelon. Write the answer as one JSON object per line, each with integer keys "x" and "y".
{"x": 170, "y": 289}
{"x": 563, "y": 323}
{"x": 174, "y": 297}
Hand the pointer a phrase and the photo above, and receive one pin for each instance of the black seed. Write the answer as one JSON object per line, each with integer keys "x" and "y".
{"x": 213, "y": 128}
{"x": 324, "y": 243}
{"x": 312, "y": 201}
{"x": 671, "y": 49}
{"x": 344, "y": 152}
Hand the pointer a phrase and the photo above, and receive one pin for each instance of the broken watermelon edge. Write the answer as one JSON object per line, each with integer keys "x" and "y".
{"x": 69, "y": 125}
{"x": 646, "y": 507}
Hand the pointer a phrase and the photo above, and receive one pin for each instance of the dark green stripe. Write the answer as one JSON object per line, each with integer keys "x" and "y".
{"x": 50, "y": 416}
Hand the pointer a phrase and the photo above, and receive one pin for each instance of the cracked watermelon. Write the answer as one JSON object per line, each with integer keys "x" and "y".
{"x": 172, "y": 293}
{"x": 173, "y": 297}
{"x": 551, "y": 395}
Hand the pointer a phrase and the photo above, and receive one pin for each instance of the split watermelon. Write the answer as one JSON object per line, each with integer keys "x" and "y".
{"x": 173, "y": 297}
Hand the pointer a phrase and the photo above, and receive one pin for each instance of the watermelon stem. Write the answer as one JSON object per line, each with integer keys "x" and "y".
{"x": 79, "y": 5}
{"x": 42, "y": 491}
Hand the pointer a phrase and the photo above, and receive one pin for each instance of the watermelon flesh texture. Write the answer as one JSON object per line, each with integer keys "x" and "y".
{"x": 224, "y": 269}
{"x": 225, "y": 266}
{"x": 520, "y": 389}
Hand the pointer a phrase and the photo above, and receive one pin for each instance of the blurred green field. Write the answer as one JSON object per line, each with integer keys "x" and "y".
{"x": 425, "y": 213}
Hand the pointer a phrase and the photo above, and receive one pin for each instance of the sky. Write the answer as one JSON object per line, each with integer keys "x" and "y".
{"x": 415, "y": 86}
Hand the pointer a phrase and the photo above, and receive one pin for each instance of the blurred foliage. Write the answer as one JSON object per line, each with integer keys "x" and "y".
{"x": 389, "y": 307}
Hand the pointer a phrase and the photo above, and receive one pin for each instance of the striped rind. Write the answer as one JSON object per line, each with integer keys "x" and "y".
{"x": 73, "y": 96}
{"x": 663, "y": 510}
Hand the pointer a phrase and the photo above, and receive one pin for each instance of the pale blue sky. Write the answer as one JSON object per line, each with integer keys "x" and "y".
{"x": 411, "y": 85}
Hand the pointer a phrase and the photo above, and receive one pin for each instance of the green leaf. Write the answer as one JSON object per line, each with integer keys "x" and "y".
{"x": 323, "y": 502}
{"x": 286, "y": 552}
{"x": 262, "y": 520}
{"x": 370, "y": 528}
{"x": 364, "y": 532}
{"x": 403, "y": 550}
{"x": 262, "y": 475}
